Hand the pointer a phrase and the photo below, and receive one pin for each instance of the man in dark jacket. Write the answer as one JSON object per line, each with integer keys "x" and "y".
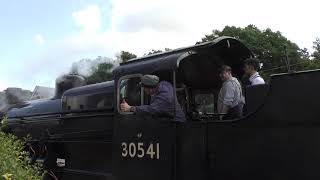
{"x": 163, "y": 101}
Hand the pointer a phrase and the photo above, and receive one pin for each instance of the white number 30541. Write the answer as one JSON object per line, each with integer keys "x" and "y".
{"x": 140, "y": 150}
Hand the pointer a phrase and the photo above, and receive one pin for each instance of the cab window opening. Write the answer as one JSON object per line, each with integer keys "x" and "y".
{"x": 200, "y": 74}
{"x": 130, "y": 90}
{"x": 162, "y": 107}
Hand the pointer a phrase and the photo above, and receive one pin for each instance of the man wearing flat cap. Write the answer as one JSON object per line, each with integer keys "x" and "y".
{"x": 163, "y": 101}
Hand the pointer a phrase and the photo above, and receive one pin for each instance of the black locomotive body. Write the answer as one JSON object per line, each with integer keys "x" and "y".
{"x": 70, "y": 133}
{"x": 83, "y": 134}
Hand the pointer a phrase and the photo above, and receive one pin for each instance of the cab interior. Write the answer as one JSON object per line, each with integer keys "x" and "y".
{"x": 197, "y": 84}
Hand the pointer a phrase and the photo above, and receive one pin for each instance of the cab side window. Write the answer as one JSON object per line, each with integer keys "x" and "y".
{"x": 131, "y": 91}
{"x": 89, "y": 102}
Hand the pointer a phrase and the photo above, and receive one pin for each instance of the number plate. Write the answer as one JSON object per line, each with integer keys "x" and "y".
{"x": 140, "y": 150}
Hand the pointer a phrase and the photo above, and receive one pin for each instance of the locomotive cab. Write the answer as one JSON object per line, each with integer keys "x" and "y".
{"x": 151, "y": 147}
{"x": 257, "y": 146}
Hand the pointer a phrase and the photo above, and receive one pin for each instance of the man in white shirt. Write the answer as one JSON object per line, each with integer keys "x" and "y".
{"x": 230, "y": 99}
{"x": 251, "y": 67}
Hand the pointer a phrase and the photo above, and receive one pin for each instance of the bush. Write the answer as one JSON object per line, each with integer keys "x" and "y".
{"x": 14, "y": 160}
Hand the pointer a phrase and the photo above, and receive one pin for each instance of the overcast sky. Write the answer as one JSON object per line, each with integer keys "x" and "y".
{"x": 41, "y": 39}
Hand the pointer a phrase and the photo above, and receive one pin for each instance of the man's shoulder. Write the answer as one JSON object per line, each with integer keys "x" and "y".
{"x": 226, "y": 84}
{"x": 258, "y": 80}
{"x": 235, "y": 79}
{"x": 226, "y": 87}
{"x": 231, "y": 82}
{"x": 165, "y": 84}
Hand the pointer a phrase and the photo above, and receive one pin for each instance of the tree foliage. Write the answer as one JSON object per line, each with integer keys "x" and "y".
{"x": 267, "y": 45}
{"x": 305, "y": 54}
{"x": 125, "y": 56}
{"x": 316, "y": 47}
{"x": 153, "y": 51}
{"x": 101, "y": 73}
{"x": 14, "y": 162}
{"x": 94, "y": 70}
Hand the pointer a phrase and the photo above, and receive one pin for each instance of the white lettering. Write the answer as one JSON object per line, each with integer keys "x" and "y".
{"x": 150, "y": 151}
{"x": 132, "y": 150}
{"x": 124, "y": 149}
{"x": 140, "y": 150}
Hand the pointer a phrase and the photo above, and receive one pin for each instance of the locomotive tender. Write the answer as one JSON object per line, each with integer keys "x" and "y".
{"x": 82, "y": 134}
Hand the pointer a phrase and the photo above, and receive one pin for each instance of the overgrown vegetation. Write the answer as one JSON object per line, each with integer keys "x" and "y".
{"x": 14, "y": 160}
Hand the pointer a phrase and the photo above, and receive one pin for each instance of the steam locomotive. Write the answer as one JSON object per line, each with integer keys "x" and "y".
{"x": 82, "y": 134}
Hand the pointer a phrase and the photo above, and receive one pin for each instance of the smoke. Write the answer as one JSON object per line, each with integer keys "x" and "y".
{"x": 12, "y": 97}
{"x": 86, "y": 67}
{"x": 66, "y": 82}
{"x": 80, "y": 72}
{"x": 3, "y": 102}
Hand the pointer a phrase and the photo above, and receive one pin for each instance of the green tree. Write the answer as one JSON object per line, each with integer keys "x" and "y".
{"x": 316, "y": 47}
{"x": 267, "y": 45}
{"x": 94, "y": 70}
{"x": 125, "y": 56}
{"x": 153, "y": 51}
{"x": 102, "y": 73}
{"x": 305, "y": 54}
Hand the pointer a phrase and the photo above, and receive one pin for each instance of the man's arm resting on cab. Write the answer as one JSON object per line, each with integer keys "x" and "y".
{"x": 133, "y": 109}
{"x": 158, "y": 106}
{"x": 125, "y": 107}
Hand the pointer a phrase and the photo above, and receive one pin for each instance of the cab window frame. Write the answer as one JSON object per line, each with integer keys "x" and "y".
{"x": 118, "y": 92}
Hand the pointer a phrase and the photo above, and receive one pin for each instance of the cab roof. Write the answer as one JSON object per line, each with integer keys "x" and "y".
{"x": 170, "y": 60}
